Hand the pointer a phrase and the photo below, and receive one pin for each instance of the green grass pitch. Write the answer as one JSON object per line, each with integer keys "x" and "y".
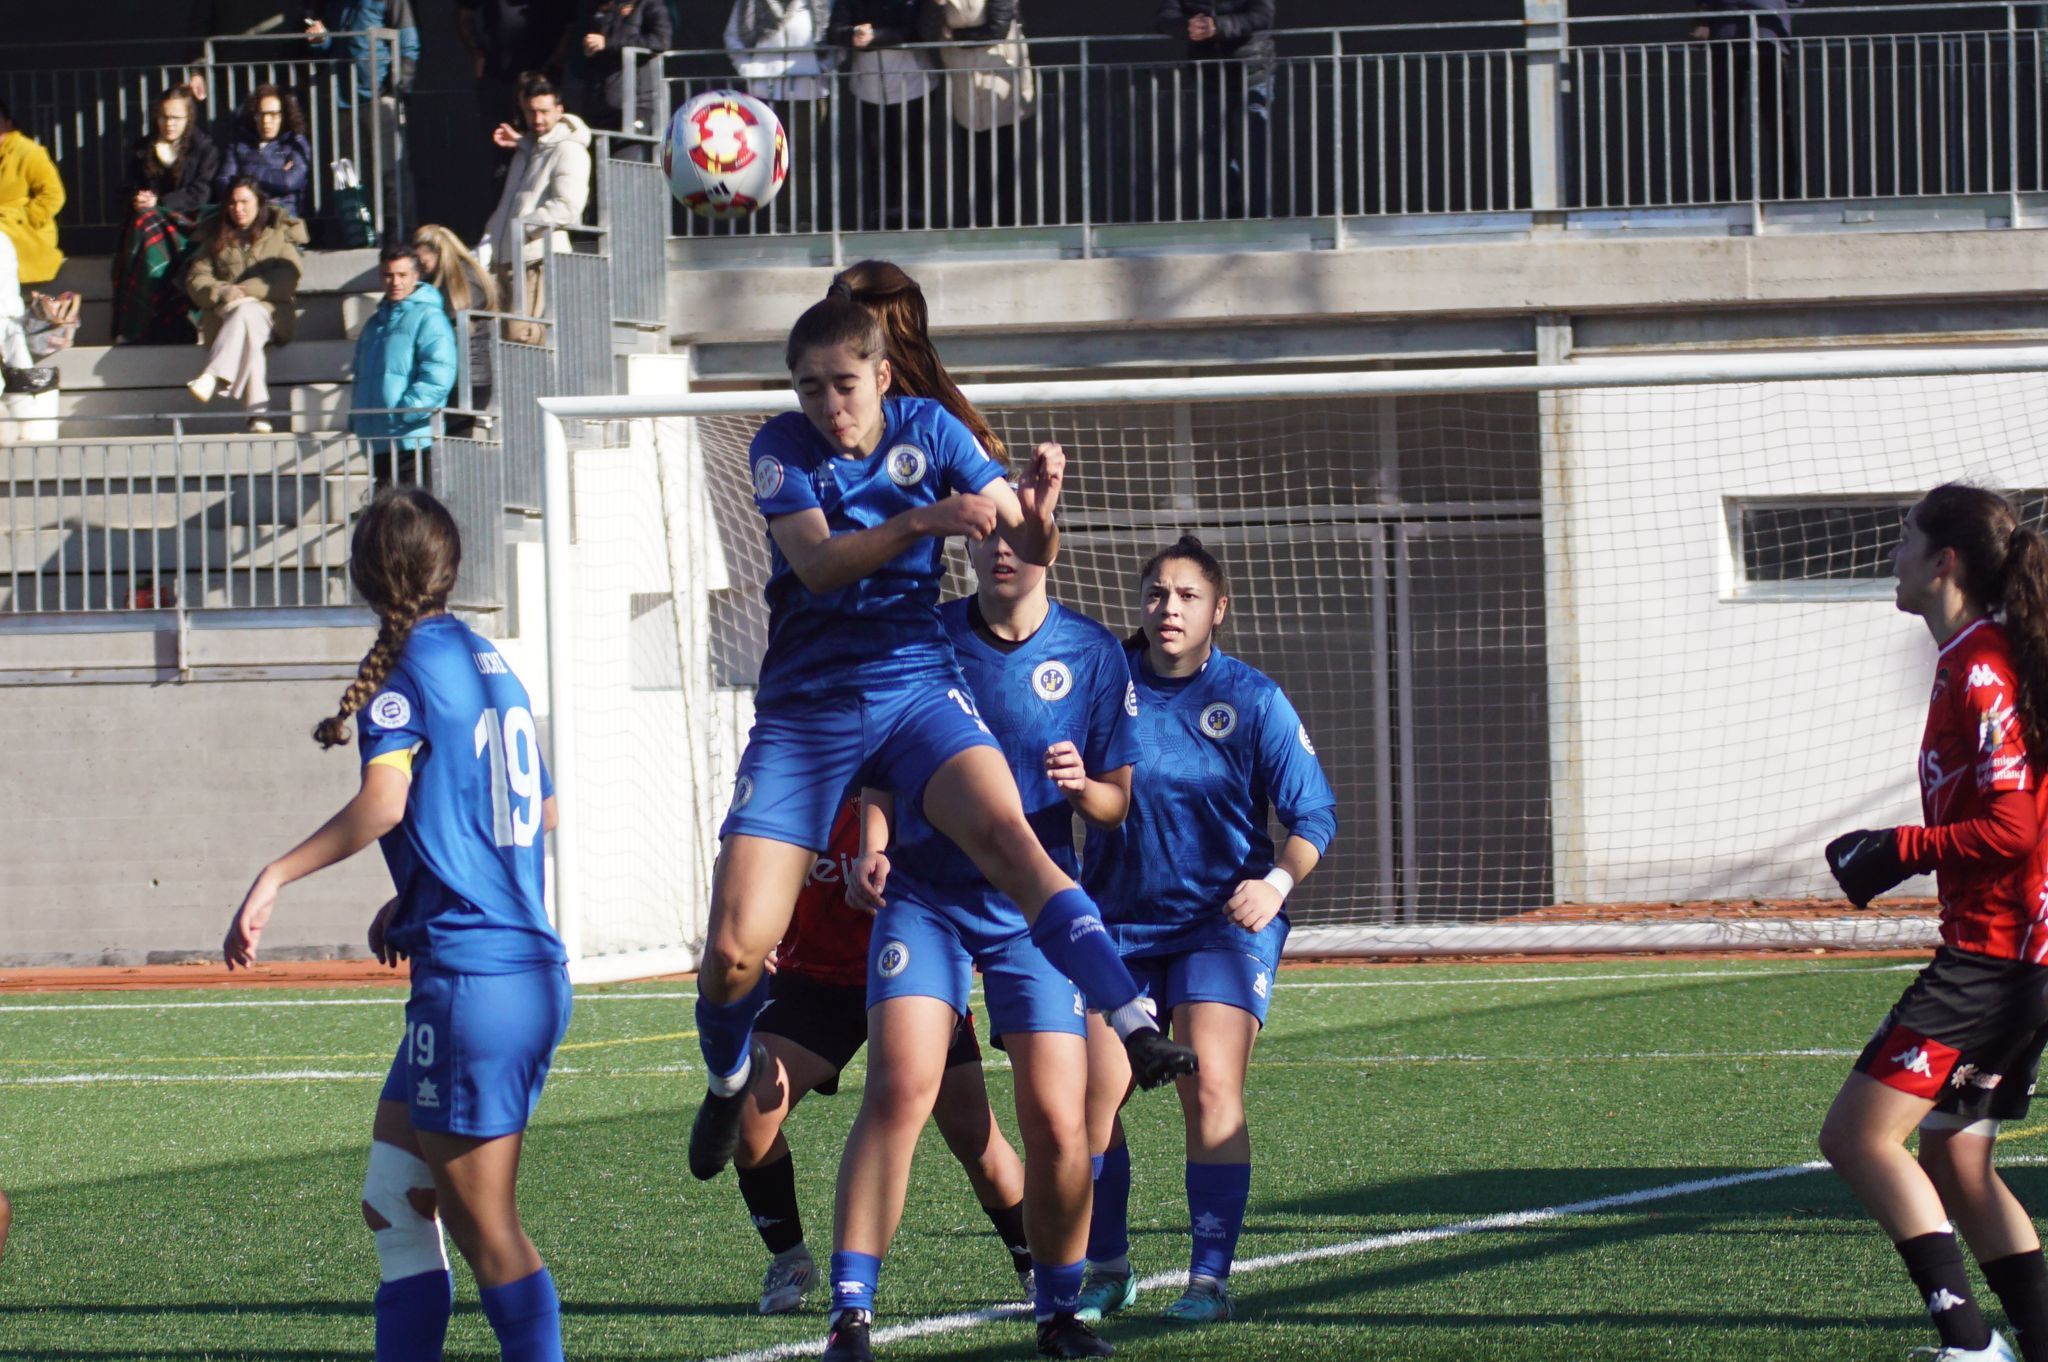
{"x": 185, "y": 1168}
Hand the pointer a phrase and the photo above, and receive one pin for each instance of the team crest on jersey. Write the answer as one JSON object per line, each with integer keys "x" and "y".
{"x": 1940, "y": 686}
{"x": 391, "y": 710}
{"x": 742, "y": 792}
{"x": 1301, "y": 732}
{"x": 906, "y": 465}
{"x": 1052, "y": 681}
{"x": 1218, "y": 721}
{"x": 767, "y": 478}
{"x": 894, "y": 959}
{"x": 1131, "y": 698}
{"x": 1992, "y": 730}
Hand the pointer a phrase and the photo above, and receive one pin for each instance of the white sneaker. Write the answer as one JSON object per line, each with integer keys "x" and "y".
{"x": 202, "y": 388}
{"x": 1027, "y": 1286}
{"x": 1997, "y": 1350}
{"x": 790, "y": 1275}
{"x": 261, "y": 425}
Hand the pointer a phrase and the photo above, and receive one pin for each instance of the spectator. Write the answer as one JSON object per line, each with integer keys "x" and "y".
{"x": 379, "y": 84}
{"x": 1722, "y": 20}
{"x": 614, "y": 26}
{"x": 17, "y": 363}
{"x": 464, "y": 285}
{"x": 777, "y": 46}
{"x": 546, "y": 186}
{"x": 507, "y": 39}
{"x": 169, "y": 183}
{"x": 244, "y": 279}
{"x": 270, "y": 148}
{"x": 890, "y": 90}
{"x": 1231, "y": 44}
{"x": 1728, "y": 74}
{"x": 30, "y": 196}
{"x": 990, "y": 91}
{"x": 405, "y": 369}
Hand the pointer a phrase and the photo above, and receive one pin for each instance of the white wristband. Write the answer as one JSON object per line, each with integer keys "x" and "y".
{"x": 1281, "y": 881}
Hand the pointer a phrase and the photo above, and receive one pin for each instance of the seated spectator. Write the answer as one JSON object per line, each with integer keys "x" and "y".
{"x": 1231, "y": 44}
{"x": 17, "y": 362}
{"x": 30, "y": 195}
{"x": 405, "y": 368}
{"x": 270, "y": 148}
{"x": 169, "y": 183}
{"x": 464, "y": 285}
{"x": 546, "y": 186}
{"x": 615, "y": 25}
{"x": 776, "y": 45}
{"x": 889, "y": 89}
{"x": 244, "y": 280}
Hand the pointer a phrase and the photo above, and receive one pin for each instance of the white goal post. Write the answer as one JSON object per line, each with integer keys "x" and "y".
{"x": 1597, "y": 654}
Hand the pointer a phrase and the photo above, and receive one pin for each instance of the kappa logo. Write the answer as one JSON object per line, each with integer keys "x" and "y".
{"x": 1301, "y": 732}
{"x": 767, "y": 477}
{"x": 391, "y": 710}
{"x": 1943, "y": 1299}
{"x": 1914, "y": 1061}
{"x": 906, "y": 465}
{"x": 1218, "y": 721}
{"x": 1131, "y": 698}
{"x": 1983, "y": 674}
{"x": 742, "y": 792}
{"x": 894, "y": 959}
{"x": 1259, "y": 983}
{"x": 426, "y": 1096}
{"x": 1052, "y": 681}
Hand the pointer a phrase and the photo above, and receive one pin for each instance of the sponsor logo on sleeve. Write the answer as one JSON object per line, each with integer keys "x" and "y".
{"x": 767, "y": 477}
{"x": 1301, "y": 732}
{"x": 1052, "y": 681}
{"x": 1994, "y": 728}
{"x": 1131, "y": 698}
{"x": 906, "y": 465}
{"x": 1983, "y": 674}
{"x": 391, "y": 710}
{"x": 894, "y": 959}
{"x": 1218, "y": 721}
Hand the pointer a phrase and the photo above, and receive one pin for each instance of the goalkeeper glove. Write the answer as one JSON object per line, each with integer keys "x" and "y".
{"x": 1866, "y": 863}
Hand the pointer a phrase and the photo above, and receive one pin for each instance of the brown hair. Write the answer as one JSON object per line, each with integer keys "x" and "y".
{"x": 183, "y": 94}
{"x": 1190, "y": 549}
{"x": 220, "y": 232}
{"x": 898, "y": 303}
{"x": 2005, "y": 568}
{"x": 403, "y": 558}
{"x": 294, "y": 119}
{"x": 836, "y": 321}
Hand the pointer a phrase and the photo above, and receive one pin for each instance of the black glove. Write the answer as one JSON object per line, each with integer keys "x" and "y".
{"x": 1866, "y": 863}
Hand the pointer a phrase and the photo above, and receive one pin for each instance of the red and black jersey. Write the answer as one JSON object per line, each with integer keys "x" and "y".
{"x": 1982, "y": 803}
{"x": 828, "y": 941}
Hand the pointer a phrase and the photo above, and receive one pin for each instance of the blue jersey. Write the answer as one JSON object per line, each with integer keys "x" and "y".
{"x": 1066, "y": 683}
{"x": 883, "y": 629}
{"x": 467, "y": 859}
{"x": 1218, "y": 749}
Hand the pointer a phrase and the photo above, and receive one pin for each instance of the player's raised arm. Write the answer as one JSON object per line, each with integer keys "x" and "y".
{"x": 1025, "y": 513}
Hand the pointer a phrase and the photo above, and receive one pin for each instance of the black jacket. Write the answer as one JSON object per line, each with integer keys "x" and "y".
{"x": 895, "y": 21}
{"x": 185, "y": 187}
{"x": 622, "y": 24}
{"x": 994, "y": 27}
{"x": 1244, "y": 31}
{"x": 1727, "y": 19}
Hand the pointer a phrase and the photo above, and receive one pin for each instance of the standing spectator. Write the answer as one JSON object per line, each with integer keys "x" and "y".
{"x": 890, "y": 90}
{"x": 244, "y": 280}
{"x": 614, "y": 26}
{"x": 170, "y": 180}
{"x": 1231, "y": 45}
{"x": 30, "y": 196}
{"x": 778, "y": 45}
{"x": 378, "y": 92}
{"x": 546, "y": 186}
{"x": 464, "y": 285}
{"x": 990, "y": 91}
{"x": 507, "y": 39}
{"x": 270, "y": 148}
{"x": 405, "y": 369}
{"x": 1728, "y": 74}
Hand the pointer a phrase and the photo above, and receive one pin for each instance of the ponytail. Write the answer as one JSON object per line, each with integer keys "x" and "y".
{"x": 897, "y": 302}
{"x": 2025, "y": 610}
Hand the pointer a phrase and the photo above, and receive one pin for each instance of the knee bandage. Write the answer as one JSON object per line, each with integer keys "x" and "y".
{"x": 1942, "y": 1122}
{"x": 395, "y": 1189}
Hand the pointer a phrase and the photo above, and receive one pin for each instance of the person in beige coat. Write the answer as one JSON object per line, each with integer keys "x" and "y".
{"x": 244, "y": 281}
{"x": 546, "y": 186}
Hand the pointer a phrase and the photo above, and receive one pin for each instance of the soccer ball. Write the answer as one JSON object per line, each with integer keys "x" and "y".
{"x": 725, "y": 154}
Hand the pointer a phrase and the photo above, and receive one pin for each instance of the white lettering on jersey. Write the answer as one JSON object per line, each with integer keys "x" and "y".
{"x": 906, "y": 465}
{"x": 1983, "y": 675}
{"x": 490, "y": 664}
{"x": 833, "y": 869}
{"x": 1218, "y": 721}
{"x": 391, "y": 710}
{"x": 1052, "y": 681}
{"x": 767, "y": 477}
{"x": 1915, "y": 1061}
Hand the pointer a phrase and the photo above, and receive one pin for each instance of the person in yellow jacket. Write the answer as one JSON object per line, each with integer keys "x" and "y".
{"x": 31, "y": 193}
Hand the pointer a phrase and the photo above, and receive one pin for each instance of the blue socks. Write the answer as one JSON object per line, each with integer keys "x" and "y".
{"x": 526, "y": 1315}
{"x": 1058, "y": 1288}
{"x": 412, "y": 1316}
{"x": 1069, "y": 931}
{"x": 1109, "y": 1235}
{"x": 725, "y": 1031}
{"x": 853, "y": 1281}
{"x": 1217, "y": 1193}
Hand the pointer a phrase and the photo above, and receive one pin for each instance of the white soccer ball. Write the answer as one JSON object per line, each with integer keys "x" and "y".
{"x": 725, "y": 154}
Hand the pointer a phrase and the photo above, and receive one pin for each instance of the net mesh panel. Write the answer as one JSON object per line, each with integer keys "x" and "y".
{"x": 1620, "y": 653}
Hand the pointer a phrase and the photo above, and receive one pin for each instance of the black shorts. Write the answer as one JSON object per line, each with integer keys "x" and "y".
{"x": 831, "y": 1021}
{"x": 1966, "y": 1034}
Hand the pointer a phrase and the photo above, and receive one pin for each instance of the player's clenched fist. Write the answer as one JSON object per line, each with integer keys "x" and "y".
{"x": 1866, "y": 864}
{"x": 865, "y": 884}
{"x": 1065, "y": 769}
{"x": 1253, "y": 905}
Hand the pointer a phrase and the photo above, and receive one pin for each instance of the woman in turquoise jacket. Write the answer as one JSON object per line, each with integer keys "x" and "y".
{"x": 405, "y": 361}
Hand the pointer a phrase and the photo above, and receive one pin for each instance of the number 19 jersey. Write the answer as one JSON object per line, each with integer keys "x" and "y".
{"x": 467, "y": 859}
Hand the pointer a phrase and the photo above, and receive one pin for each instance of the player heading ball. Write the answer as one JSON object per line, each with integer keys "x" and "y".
{"x": 1958, "y": 1053}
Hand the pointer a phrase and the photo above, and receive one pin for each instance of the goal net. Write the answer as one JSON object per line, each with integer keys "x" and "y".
{"x": 1597, "y": 657}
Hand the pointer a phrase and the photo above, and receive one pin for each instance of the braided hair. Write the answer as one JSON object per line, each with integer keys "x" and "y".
{"x": 403, "y": 558}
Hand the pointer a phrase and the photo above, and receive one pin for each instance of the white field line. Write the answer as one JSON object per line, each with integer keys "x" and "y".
{"x": 1644, "y": 976}
{"x": 969, "y": 1319}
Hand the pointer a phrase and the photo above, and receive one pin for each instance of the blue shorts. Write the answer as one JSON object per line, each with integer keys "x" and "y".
{"x": 477, "y": 1048}
{"x": 1215, "y": 963}
{"x": 802, "y": 759}
{"x": 918, "y": 951}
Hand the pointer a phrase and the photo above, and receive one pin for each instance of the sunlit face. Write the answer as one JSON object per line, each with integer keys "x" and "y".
{"x": 269, "y": 119}
{"x": 242, "y": 207}
{"x": 1000, "y": 573}
{"x": 1919, "y": 567}
{"x": 841, "y": 394}
{"x": 542, "y": 113}
{"x": 430, "y": 259}
{"x": 400, "y": 277}
{"x": 173, "y": 116}
{"x": 1180, "y": 609}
